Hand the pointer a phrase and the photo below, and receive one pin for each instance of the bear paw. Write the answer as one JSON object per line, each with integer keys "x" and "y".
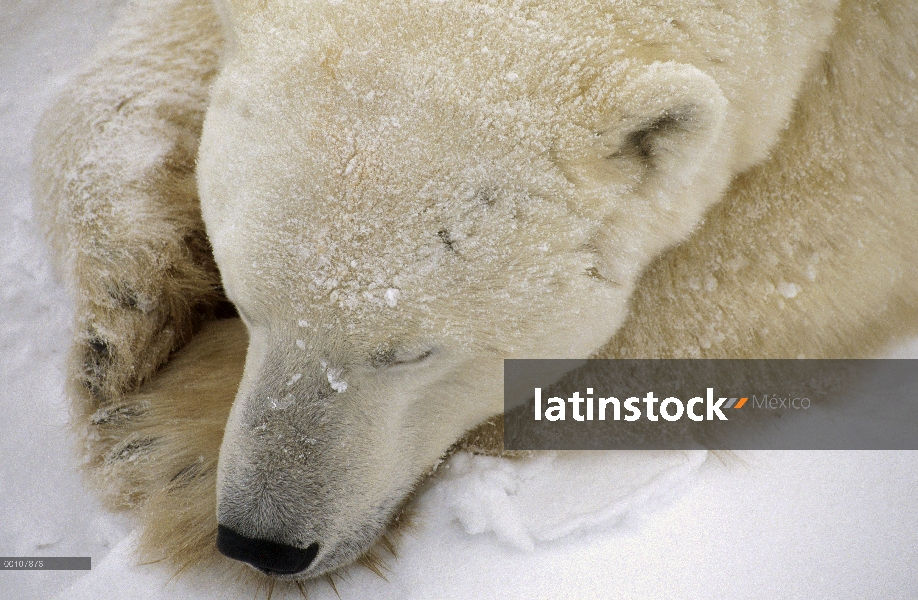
{"x": 126, "y": 330}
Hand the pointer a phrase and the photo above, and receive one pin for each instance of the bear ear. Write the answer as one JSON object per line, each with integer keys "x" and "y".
{"x": 653, "y": 125}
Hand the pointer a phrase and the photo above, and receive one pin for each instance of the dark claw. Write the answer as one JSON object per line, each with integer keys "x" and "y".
{"x": 93, "y": 388}
{"x": 127, "y": 298}
{"x": 116, "y": 414}
{"x": 129, "y": 449}
{"x": 100, "y": 350}
{"x": 96, "y": 359}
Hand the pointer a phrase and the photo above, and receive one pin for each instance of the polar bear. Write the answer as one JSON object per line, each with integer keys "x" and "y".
{"x": 395, "y": 197}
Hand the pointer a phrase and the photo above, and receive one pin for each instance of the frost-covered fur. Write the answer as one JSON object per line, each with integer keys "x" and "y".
{"x": 399, "y": 195}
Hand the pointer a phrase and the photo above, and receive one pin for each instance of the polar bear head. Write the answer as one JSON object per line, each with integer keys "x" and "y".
{"x": 400, "y": 198}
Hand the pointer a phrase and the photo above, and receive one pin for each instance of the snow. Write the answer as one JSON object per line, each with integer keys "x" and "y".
{"x": 542, "y": 499}
{"x": 557, "y": 525}
{"x": 282, "y": 404}
{"x": 788, "y": 290}
{"x": 392, "y": 295}
{"x": 333, "y": 375}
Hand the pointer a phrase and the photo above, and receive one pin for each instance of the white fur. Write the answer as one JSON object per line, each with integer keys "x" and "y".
{"x": 509, "y": 170}
{"x": 400, "y": 195}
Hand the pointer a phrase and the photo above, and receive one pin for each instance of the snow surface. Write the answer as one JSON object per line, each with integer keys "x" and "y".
{"x": 559, "y": 525}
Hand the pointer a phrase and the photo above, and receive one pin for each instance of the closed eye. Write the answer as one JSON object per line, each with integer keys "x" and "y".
{"x": 389, "y": 357}
{"x": 415, "y": 359}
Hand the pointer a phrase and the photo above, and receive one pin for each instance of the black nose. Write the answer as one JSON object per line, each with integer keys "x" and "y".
{"x": 271, "y": 557}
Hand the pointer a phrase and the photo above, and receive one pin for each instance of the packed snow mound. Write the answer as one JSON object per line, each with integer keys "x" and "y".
{"x": 557, "y": 494}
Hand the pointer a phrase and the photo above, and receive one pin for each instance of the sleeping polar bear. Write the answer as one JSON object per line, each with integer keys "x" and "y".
{"x": 399, "y": 195}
